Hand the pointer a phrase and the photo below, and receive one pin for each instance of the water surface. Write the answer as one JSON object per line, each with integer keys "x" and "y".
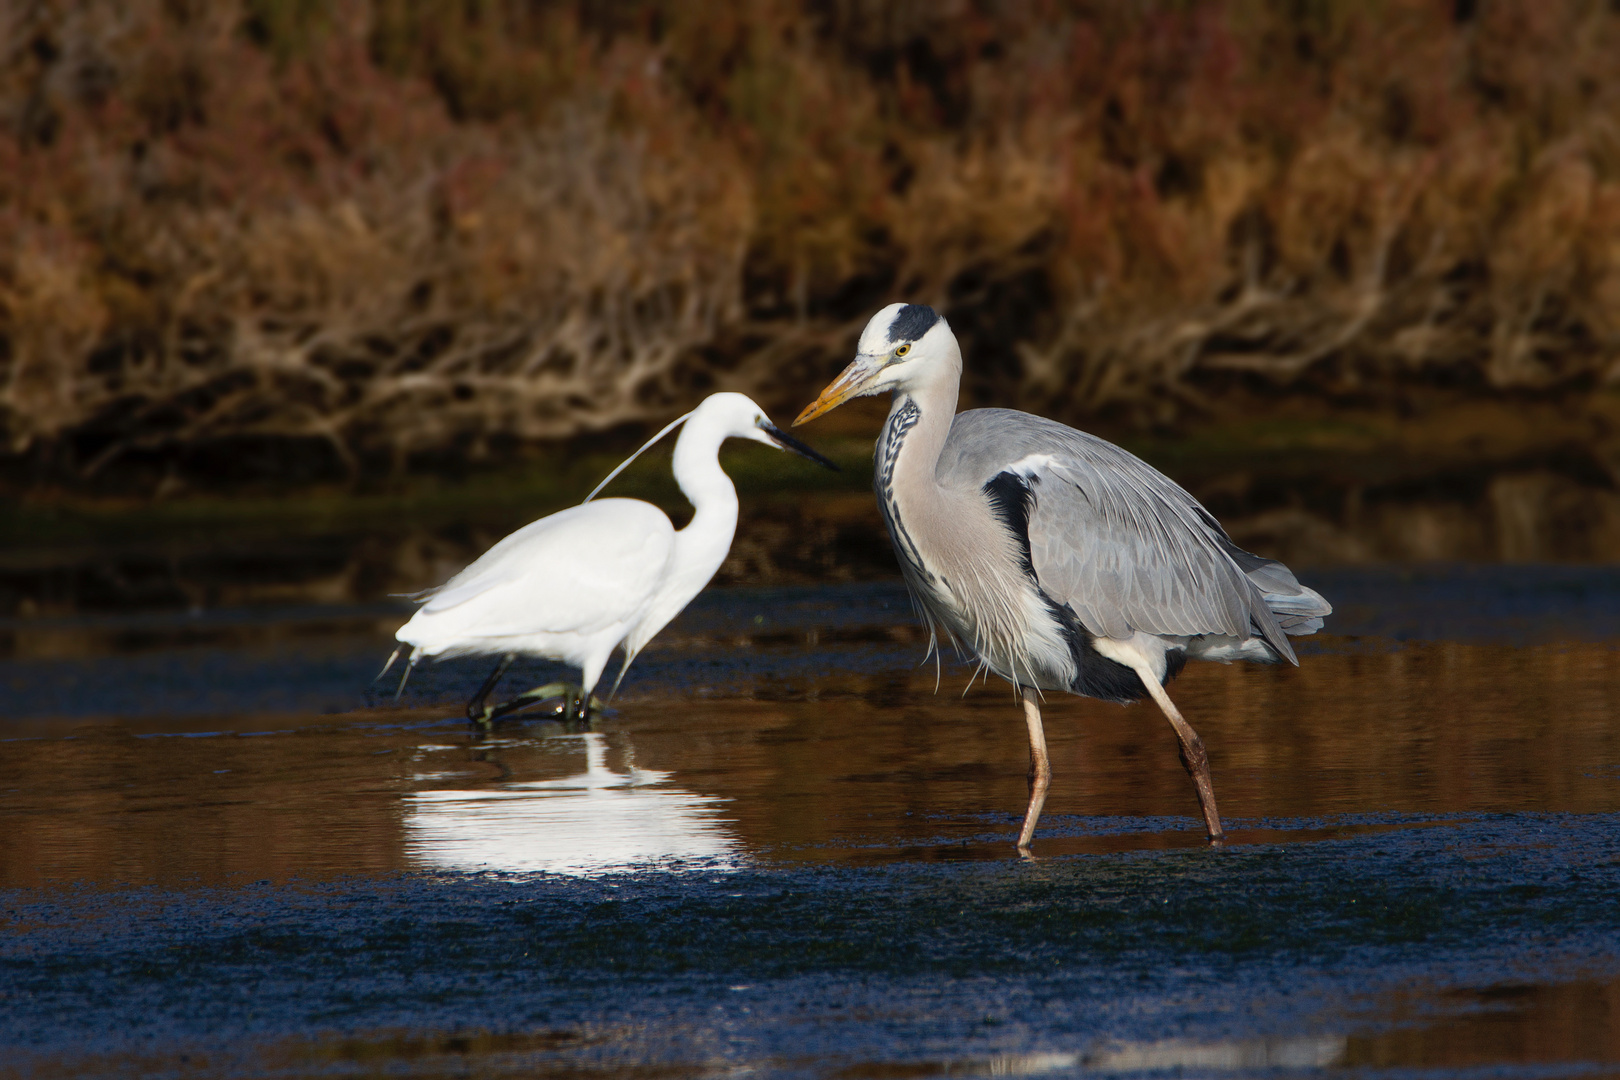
{"x": 784, "y": 851}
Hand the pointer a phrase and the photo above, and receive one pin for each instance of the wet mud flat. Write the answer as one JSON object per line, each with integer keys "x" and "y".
{"x": 784, "y": 852}
{"x": 1427, "y": 950}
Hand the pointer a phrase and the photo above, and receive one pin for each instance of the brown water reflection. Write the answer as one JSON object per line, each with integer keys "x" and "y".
{"x": 1523, "y": 1024}
{"x": 840, "y": 768}
{"x": 1364, "y": 512}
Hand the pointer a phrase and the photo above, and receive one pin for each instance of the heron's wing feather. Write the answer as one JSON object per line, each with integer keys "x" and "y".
{"x": 1126, "y": 547}
{"x": 1125, "y": 560}
{"x": 577, "y": 570}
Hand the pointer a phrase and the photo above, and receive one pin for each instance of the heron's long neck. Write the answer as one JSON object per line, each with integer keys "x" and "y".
{"x": 905, "y": 459}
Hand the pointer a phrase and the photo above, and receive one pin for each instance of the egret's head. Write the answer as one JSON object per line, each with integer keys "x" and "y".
{"x": 720, "y": 417}
{"x": 737, "y": 416}
{"x": 898, "y": 347}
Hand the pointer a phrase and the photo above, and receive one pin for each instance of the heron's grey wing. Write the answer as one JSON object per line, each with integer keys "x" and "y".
{"x": 1119, "y": 542}
{"x": 577, "y": 570}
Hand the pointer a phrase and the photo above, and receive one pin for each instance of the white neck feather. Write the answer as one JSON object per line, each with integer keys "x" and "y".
{"x": 702, "y": 546}
{"x": 934, "y": 396}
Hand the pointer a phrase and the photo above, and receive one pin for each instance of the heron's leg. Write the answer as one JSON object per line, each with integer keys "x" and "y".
{"x": 1040, "y": 768}
{"x": 1193, "y": 754}
{"x": 477, "y": 711}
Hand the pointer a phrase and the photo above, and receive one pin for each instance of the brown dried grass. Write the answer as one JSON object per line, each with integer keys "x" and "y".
{"x": 397, "y": 229}
{"x": 327, "y": 255}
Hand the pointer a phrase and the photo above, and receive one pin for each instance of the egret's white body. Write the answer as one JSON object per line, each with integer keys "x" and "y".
{"x": 578, "y": 584}
{"x": 570, "y": 586}
{"x": 1058, "y": 560}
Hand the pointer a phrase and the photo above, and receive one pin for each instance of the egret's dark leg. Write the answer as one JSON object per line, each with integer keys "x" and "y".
{"x": 1040, "y": 768}
{"x": 530, "y": 697}
{"x": 575, "y": 701}
{"x": 477, "y": 711}
{"x": 1193, "y": 755}
{"x": 579, "y": 709}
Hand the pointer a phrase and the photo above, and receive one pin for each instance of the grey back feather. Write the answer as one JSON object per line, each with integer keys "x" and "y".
{"x": 1121, "y": 543}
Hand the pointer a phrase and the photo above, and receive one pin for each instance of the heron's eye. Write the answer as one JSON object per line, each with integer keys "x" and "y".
{"x": 902, "y": 350}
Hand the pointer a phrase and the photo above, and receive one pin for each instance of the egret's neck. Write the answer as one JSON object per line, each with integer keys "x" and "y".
{"x": 702, "y": 546}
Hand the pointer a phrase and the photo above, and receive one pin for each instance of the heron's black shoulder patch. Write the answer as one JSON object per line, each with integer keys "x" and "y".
{"x": 1010, "y": 496}
{"x": 912, "y": 322}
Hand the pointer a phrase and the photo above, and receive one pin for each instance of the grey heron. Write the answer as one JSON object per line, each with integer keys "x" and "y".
{"x": 579, "y": 583}
{"x": 1059, "y": 560}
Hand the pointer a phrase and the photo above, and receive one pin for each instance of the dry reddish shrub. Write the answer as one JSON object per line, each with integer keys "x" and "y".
{"x": 398, "y": 227}
{"x": 230, "y": 246}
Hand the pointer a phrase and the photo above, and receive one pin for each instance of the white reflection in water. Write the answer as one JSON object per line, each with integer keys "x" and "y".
{"x": 1173, "y": 1055}
{"x": 1285, "y": 1052}
{"x": 595, "y": 821}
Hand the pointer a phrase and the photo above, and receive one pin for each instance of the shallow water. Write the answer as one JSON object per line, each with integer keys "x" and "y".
{"x": 784, "y": 852}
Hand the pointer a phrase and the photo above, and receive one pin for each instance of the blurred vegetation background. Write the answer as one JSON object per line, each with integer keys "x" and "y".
{"x": 332, "y": 241}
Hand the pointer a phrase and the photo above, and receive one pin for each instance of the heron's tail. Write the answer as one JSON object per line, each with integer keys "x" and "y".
{"x": 1299, "y": 610}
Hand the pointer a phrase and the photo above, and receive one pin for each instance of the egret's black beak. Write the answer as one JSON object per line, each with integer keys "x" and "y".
{"x": 788, "y": 442}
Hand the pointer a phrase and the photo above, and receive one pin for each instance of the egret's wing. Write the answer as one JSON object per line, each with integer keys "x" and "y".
{"x": 1114, "y": 538}
{"x": 577, "y": 570}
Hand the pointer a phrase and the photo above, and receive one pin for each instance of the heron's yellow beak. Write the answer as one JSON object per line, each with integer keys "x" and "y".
{"x": 851, "y": 382}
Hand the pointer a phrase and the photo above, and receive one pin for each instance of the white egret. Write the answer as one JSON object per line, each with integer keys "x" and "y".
{"x": 1060, "y": 561}
{"x": 578, "y": 584}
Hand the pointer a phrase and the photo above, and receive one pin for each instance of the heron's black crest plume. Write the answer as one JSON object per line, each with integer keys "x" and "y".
{"x": 912, "y": 322}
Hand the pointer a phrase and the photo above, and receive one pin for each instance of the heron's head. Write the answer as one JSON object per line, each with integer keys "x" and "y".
{"x": 900, "y": 347}
{"x": 737, "y": 416}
